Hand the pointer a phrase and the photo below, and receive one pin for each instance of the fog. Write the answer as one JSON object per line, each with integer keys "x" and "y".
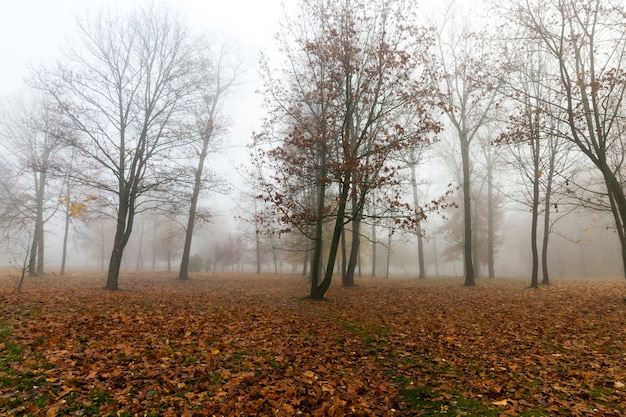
{"x": 583, "y": 243}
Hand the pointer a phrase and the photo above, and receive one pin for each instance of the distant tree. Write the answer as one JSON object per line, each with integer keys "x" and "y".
{"x": 120, "y": 90}
{"x": 169, "y": 241}
{"x": 196, "y": 263}
{"x": 205, "y": 127}
{"x": 413, "y": 157}
{"x": 32, "y": 137}
{"x": 452, "y": 230}
{"x": 228, "y": 252}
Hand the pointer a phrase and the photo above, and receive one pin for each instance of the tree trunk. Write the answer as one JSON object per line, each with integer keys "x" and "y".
{"x": 316, "y": 259}
{"x": 546, "y": 221}
{"x": 191, "y": 220}
{"x": 40, "y": 250}
{"x": 388, "y": 254}
{"x": 65, "y": 231}
{"x": 318, "y": 291}
{"x": 420, "y": 253}
{"x": 125, "y": 218}
{"x": 36, "y": 259}
{"x": 40, "y": 222}
{"x": 374, "y": 244}
{"x": 344, "y": 258}
{"x": 418, "y": 219}
{"x": 354, "y": 252}
{"x": 257, "y": 242}
{"x": 32, "y": 259}
{"x": 534, "y": 279}
{"x": 618, "y": 206}
{"x": 544, "y": 246}
{"x": 115, "y": 264}
{"x": 467, "y": 211}
{"x": 139, "y": 265}
{"x": 490, "y": 221}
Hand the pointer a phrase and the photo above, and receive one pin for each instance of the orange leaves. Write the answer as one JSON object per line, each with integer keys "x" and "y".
{"x": 248, "y": 345}
{"x": 77, "y": 208}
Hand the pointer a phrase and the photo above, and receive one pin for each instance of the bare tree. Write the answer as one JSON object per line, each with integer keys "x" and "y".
{"x": 586, "y": 43}
{"x": 468, "y": 95}
{"x": 32, "y": 139}
{"x": 413, "y": 157}
{"x": 120, "y": 90}
{"x": 169, "y": 241}
{"x": 537, "y": 148}
{"x": 207, "y": 125}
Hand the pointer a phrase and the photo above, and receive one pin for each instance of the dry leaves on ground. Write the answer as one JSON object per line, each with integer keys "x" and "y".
{"x": 251, "y": 345}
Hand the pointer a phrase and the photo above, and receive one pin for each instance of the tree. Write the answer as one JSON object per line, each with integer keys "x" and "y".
{"x": 32, "y": 138}
{"x": 354, "y": 69}
{"x": 168, "y": 241}
{"x": 414, "y": 156}
{"x": 536, "y": 147}
{"x": 468, "y": 95}
{"x": 76, "y": 202}
{"x": 120, "y": 92}
{"x": 586, "y": 43}
{"x": 206, "y": 126}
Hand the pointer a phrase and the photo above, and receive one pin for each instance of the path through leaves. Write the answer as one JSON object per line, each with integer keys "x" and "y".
{"x": 248, "y": 345}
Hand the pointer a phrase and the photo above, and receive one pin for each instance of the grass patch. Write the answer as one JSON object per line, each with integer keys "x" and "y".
{"x": 426, "y": 402}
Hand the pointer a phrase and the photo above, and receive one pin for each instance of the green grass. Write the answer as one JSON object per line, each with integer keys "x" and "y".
{"x": 429, "y": 403}
{"x": 22, "y": 382}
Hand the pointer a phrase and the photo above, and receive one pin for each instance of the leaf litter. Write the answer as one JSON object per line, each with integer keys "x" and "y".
{"x": 252, "y": 345}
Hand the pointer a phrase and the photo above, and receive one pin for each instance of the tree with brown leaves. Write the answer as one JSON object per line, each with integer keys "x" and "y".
{"x": 335, "y": 121}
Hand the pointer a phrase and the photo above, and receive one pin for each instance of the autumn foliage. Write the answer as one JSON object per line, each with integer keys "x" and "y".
{"x": 249, "y": 345}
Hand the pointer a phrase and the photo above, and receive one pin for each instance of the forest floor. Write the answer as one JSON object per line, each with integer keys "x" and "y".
{"x": 252, "y": 345}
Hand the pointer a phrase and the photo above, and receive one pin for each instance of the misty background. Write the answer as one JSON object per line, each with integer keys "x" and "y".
{"x": 583, "y": 241}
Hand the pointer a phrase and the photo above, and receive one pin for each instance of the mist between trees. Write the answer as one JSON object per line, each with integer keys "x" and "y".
{"x": 457, "y": 140}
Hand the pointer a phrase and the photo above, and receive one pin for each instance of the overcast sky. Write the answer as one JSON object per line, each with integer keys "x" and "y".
{"x": 35, "y": 30}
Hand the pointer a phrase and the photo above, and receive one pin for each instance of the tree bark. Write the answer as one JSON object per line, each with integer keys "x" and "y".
{"x": 318, "y": 291}
{"x": 535, "y": 146}
{"x": 545, "y": 280}
{"x": 191, "y": 221}
{"x": 354, "y": 252}
{"x": 467, "y": 212}
{"x": 418, "y": 219}
{"x": 124, "y": 227}
{"x": 374, "y": 244}
{"x": 36, "y": 261}
{"x": 491, "y": 230}
{"x": 66, "y": 230}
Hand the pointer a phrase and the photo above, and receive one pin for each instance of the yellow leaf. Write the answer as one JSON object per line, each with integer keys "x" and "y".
{"x": 215, "y": 351}
{"x": 500, "y": 403}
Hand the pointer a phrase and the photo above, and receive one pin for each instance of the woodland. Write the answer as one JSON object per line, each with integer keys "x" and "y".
{"x": 365, "y": 103}
{"x": 387, "y": 128}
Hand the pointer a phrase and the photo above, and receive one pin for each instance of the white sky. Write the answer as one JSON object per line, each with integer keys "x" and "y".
{"x": 35, "y": 30}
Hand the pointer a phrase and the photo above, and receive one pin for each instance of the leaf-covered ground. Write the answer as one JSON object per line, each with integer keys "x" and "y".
{"x": 249, "y": 345}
